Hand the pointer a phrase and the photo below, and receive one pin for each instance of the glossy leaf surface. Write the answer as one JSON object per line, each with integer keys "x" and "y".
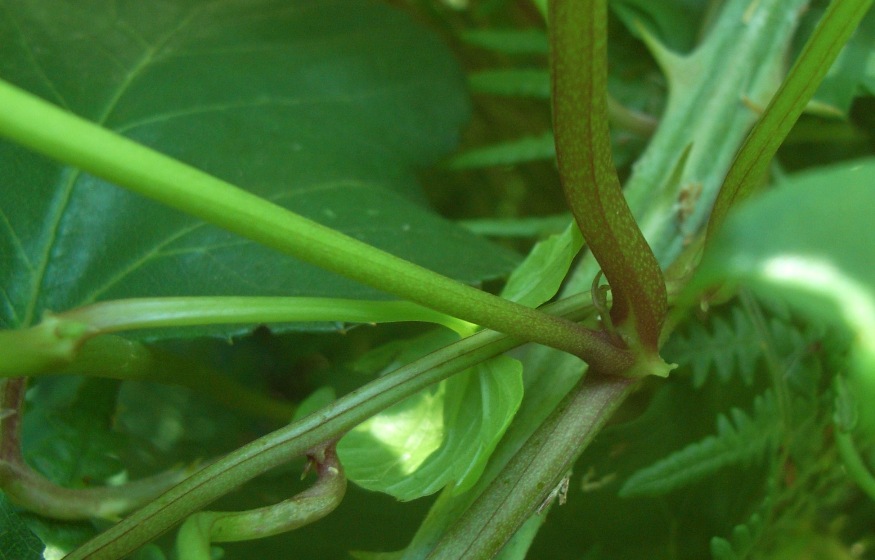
{"x": 299, "y": 102}
{"x": 16, "y": 540}
{"x": 442, "y": 436}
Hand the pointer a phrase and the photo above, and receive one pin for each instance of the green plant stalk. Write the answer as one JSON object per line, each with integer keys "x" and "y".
{"x": 28, "y": 488}
{"x": 529, "y": 478}
{"x": 742, "y": 56}
{"x": 705, "y": 120}
{"x": 195, "y": 535}
{"x": 55, "y": 342}
{"x": 820, "y": 51}
{"x": 68, "y": 138}
{"x": 149, "y": 313}
{"x": 296, "y": 439}
{"x": 592, "y": 188}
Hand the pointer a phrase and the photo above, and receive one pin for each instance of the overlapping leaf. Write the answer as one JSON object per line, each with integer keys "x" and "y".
{"x": 325, "y": 107}
{"x": 810, "y": 243}
{"x": 17, "y": 542}
{"x": 442, "y": 436}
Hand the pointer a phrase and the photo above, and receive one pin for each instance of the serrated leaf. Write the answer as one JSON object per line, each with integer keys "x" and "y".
{"x": 744, "y": 535}
{"x": 443, "y": 436}
{"x": 739, "y": 439}
{"x": 727, "y": 347}
{"x": 324, "y": 107}
{"x": 539, "y": 277}
{"x": 17, "y": 542}
{"x": 810, "y": 243}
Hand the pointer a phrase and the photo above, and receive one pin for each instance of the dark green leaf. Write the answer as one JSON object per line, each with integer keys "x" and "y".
{"x": 17, "y": 542}
{"x": 529, "y": 148}
{"x": 676, "y": 23}
{"x": 66, "y": 434}
{"x": 509, "y": 41}
{"x": 514, "y": 82}
{"x": 325, "y": 107}
{"x": 738, "y": 440}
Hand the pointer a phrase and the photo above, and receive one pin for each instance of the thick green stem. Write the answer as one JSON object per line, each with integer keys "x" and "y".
{"x": 823, "y": 47}
{"x": 56, "y": 340}
{"x": 150, "y": 313}
{"x": 578, "y": 31}
{"x": 59, "y": 134}
{"x": 528, "y": 480}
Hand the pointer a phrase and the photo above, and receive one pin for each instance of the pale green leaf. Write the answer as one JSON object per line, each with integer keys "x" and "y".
{"x": 811, "y": 244}
{"x": 443, "y": 436}
{"x": 539, "y": 277}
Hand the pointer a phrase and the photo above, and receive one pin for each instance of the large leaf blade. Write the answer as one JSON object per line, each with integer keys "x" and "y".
{"x": 809, "y": 243}
{"x": 301, "y": 103}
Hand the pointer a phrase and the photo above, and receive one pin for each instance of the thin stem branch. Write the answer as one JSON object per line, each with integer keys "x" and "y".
{"x": 296, "y": 439}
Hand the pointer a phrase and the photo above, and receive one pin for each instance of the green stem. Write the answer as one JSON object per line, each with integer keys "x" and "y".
{"x": 59, "y": 134}
{"x": 31, "y": 490}
{"x": 149, "y": 313}
{"x": 527, "y": 481}
{"x": 298, "y": 438}
{"x": 583, "y": 154}
{"x": 752, "y": 161}
{"x": 195, "y": 535}
{"x": 56, "y": 340}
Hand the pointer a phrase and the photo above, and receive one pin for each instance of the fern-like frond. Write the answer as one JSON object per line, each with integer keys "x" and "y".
{"x": 741, "y": 543}
{"x": 514, "y": 82}
{"x": 732, "y": 346}
{"x": 726, "y": 346}
{"x": 509, "y": 41}
{"x": 530, "y": 148}
{"x": 739, "y": 440}
{"x": 745, "y": 535}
